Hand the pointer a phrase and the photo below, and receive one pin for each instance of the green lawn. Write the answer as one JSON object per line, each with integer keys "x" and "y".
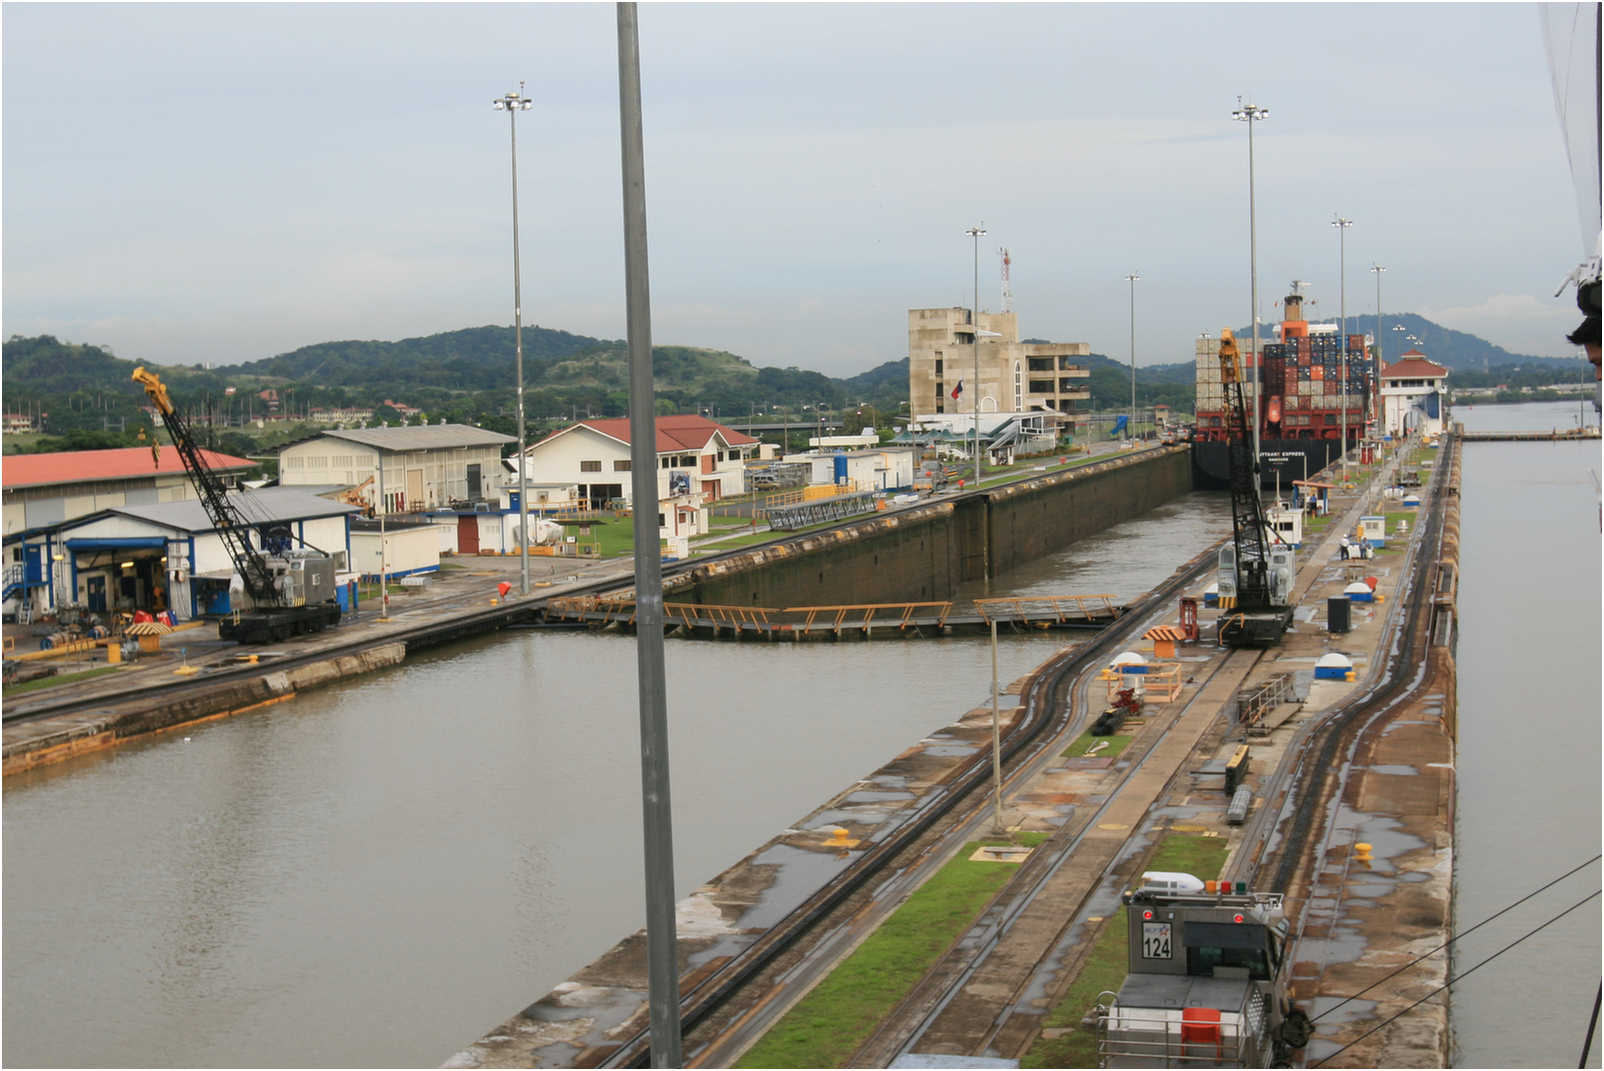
{"x": 1116, "y": 744}
{"x": 830, "y": 1023}
{"x": 60, "y": 678}
{"x": 1104, "y": 969}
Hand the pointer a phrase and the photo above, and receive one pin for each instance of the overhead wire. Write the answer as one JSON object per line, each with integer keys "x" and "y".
{"x": 1457, "y": 936}
{"x": 1458, "y": 977}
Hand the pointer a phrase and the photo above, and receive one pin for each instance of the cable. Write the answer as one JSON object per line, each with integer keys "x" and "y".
{"x": 1455, "y": 978}
{"x": 1592, "y": 1024}
{"x": 1451, "y": 940}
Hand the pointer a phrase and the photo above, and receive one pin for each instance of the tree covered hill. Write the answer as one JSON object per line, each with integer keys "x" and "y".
{"x": 466, "y": 376}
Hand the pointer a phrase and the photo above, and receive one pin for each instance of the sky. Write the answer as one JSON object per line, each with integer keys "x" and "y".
{"x": 218, "y": 183}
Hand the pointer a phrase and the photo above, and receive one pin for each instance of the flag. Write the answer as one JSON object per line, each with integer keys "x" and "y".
{"x": 959, "y": 389}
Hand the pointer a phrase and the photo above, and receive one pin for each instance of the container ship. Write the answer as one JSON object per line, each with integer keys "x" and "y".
{"x": 1300, "y": 401}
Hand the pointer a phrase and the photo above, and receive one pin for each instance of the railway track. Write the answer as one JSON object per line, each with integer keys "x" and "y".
{"x": 1046, "y": 940}
{"x": 1046, "y": 709}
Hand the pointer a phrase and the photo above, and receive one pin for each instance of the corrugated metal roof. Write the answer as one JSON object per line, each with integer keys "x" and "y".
{"x": 265, "y": 506}
{"x": 675, "y": 434}
{"x": 82, "y": 466}
{"x": 426, "y": 437}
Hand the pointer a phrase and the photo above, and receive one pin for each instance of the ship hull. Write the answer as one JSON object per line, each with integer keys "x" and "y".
{"x": 1292, "y": 459}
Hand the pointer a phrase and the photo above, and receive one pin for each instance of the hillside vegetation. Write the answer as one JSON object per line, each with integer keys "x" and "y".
{"x": 466, "y": 376}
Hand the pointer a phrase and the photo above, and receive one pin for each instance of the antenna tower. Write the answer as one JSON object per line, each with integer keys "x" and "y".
{"x": 1007, "y": 286}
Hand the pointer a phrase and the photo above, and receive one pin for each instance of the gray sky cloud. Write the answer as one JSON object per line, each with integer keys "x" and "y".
{"x": 225, "y": 182}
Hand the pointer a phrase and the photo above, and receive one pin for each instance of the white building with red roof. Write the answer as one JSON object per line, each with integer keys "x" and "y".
{"x": 1413, "y": 396}
{"x": 47, "y": 489}
{"x": 695, "y": 456}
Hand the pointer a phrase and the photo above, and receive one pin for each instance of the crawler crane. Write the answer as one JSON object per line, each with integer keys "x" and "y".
{"x": 291, "y": 590}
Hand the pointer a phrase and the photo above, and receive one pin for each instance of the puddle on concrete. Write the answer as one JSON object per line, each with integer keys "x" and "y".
{"x": 876, "y": 797}
{"x": 797, "y": 874}
{"x": 1395, "y": 770}
{"x": 957, "y": 751}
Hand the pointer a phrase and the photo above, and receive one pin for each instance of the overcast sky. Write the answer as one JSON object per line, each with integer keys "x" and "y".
{"x": 226, "y": 182}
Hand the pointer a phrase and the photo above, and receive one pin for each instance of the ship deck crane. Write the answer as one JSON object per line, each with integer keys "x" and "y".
{"x": 1256, "y": 567}
{"x": 291, "y": 591}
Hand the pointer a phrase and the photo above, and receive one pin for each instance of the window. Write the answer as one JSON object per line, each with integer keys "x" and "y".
{"x": 939, "y": 363}
{"x": 621, "y": 466}
{"x": 590, "y": 466}
{"x": 667, "y": 461}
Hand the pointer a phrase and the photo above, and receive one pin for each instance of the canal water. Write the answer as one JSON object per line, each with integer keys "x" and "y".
{"x": 378, "y": 873}
{"x": 1529, "y": 740}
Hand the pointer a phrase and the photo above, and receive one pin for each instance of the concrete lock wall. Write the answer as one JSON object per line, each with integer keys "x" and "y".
{"x": 923, "y": 554}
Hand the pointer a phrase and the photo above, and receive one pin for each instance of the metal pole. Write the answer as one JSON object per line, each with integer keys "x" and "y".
{"x": 1131, "y": 278}
{"x": 976, "y": 232}
{"x": 1342, "y": 226}
{"x": 384, "y": 507}
{"x": 661, "y": 967}
{"x": 514, "y": 103}
{"x": 1251, "y": 113}
{"x": 1376, "y": 362}
{"x": 996, "y": 741}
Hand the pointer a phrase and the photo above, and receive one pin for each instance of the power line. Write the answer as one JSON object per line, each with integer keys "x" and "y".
{"x": 1379, "y": 1026}
{"x": 1451, "y": 940}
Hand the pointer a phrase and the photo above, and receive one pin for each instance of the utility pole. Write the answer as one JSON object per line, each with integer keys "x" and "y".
{"x": 662, "y": 968}
{"x": 512, "y": 104}
{"x": 1131, "y": 278}
{"x": 977, "y": 232}
{"x": 1375, "y": 359}
{"x": 1342, "y": 226}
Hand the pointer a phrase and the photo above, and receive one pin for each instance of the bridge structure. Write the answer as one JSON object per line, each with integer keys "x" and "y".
{"x": 888, "y": 620}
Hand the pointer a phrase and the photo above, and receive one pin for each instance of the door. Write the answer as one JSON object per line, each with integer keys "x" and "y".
{"x": 468, "y": 535}
{"x": 414, "y": 489}
{"x": 473, "y": 484}
{"x": 95, "y": 593}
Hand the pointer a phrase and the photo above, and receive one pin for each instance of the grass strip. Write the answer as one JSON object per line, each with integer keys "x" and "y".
{"x": 1116, "y": 744}
{"x": 58, "y": 678}
{"x": 839, "y": 1014}
{"x": 1075, "y": 1045}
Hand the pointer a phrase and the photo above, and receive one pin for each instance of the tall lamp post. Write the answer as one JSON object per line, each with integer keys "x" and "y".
{"x": 1342, "y": 226}
{"x": 977, "y": 232}
{"x": 512, "y": 104}
{"x": 1131, "y": 278}
{"x": 1250, "y": 114}
{"x": 1375, "y": 358}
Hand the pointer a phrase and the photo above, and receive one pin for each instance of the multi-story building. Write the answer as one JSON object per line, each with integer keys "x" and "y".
{"x": 1015, "y": 376}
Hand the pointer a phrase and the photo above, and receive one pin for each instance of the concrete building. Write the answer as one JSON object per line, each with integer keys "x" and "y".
{"x": 1015, "y": 376}
{"x": 695, "y": 455}
{"x": 166, "y": 556}
{"x": 427, "y": 467}
{"x": 41, "y": 490}
{"x": 1413, "y": 395}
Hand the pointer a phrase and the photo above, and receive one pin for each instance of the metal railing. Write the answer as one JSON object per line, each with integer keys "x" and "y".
{"x": 1057, "y": 608}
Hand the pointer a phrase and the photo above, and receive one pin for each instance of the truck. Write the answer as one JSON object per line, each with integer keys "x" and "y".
{"x": 291, "y": 589}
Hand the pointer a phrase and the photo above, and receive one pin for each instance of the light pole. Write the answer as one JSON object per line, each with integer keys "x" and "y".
{"x": 1342, "y": 226}
{"x": 977, "y": 232}
{"x": 1375, "y": 358}
{"x": 1250, "y": 114}
{"x": 512, "y": 104}
{"x": 1131, "y": 278}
